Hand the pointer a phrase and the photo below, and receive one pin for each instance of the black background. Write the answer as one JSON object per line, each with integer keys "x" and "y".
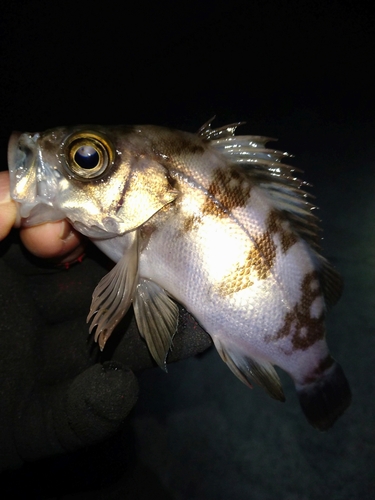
{"x": 299, "y": 71}
{"x": 178, "y": 64}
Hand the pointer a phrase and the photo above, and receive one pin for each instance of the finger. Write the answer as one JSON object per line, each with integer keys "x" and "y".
{"x": 8, "y": 208}
{"x": 56, "y": 240}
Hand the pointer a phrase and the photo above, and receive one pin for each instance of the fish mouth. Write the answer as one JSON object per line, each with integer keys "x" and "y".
{"x": 21, "y": 161}
{"x": 32, "y": 181}
{"x": 12, "y": 147}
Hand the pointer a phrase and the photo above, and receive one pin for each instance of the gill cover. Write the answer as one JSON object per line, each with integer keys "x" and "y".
{"x": 128, "y": 185}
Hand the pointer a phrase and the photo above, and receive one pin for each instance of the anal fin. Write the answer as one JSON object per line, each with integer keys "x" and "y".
{"x": 157, "y": 318}
{"x": 248, "y": 369}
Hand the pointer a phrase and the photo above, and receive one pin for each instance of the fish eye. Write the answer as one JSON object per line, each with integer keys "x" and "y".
{"x": 88, "y": 155}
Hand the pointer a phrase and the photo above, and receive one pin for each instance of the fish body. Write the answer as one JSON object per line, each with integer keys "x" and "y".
{"x": 213, "y": 221}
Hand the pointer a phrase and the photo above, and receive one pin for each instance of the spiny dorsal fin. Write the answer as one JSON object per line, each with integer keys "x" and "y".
{"x": 248, "y": 369}
{"x": 113, "y": 295}
{"x": 208, "y": 134}
{"x": 157, "y": 318}
{"x": 266, "y": 169}
{"x": 286, "y": 192}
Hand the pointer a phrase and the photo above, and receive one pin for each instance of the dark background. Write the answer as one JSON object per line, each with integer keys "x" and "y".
{"x": 299, "y": 71}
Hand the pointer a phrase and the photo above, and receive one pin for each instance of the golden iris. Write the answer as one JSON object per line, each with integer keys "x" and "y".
{"x": 88, "y": 155}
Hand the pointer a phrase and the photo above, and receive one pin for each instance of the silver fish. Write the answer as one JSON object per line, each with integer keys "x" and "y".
{"x": 213, "y": 221}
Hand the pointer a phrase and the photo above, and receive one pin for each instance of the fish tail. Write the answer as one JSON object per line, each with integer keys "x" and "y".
{"x": 324, "y": 399}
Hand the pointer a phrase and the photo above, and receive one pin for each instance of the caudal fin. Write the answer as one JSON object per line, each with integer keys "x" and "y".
{"x": 324, "y": 400}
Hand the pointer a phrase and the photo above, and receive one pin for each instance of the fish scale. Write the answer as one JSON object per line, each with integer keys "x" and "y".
{"x": 213, "y": 221}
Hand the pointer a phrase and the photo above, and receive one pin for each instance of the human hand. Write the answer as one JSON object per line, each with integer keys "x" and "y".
{"x": 54, "y": 240}
{"x": 59, "y": 393}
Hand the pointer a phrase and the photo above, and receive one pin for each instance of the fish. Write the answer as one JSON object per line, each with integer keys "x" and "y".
{"x": 213, "y": 221}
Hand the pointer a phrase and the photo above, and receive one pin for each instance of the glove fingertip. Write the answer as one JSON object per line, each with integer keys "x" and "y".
{"x": 99, "y": 400}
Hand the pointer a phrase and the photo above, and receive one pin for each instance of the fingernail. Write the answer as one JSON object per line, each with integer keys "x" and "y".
{"x": 66, "y": 231}
{"x": 77, "y": 255}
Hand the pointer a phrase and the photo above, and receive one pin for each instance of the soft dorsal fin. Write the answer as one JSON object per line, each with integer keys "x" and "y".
{"x": 157, "y": 318}
{"x": 330, "y": 281}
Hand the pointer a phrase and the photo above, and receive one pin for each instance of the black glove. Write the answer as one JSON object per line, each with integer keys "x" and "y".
{"x": 58, "y": 392}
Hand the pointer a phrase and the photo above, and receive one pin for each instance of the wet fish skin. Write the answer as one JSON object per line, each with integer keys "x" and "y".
{"x": 214, "y": 221}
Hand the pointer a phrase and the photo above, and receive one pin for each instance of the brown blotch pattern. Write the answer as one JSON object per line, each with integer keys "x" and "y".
{"x": 259, "y": 259}
{"x": 307, "y": 330}
{"x": 191, "y": 222}
{"x": 230, "y": 188}
{"x": 287, "y": 237}
{"x": 186, "y": 145}
{"x": 324, "y": 364}
{"x": 265, "y": 250}
{"x": 213, "y": 208}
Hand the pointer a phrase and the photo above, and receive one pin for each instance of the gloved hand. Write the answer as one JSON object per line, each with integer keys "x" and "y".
{"x": 59, "y": 393}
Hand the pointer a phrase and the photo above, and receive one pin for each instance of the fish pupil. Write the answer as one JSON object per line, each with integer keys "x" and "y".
{"x": 86, "y": 157}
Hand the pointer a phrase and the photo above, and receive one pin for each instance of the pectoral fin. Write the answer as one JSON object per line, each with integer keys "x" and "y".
{"x": 157, "y": 318}
{"x": 113, "y": 295}
{"x": 248, "y": 370}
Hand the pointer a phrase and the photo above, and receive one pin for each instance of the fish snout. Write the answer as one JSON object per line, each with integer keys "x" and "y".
{"x": 22, "y": 151}
{"x": 33, "y": 182}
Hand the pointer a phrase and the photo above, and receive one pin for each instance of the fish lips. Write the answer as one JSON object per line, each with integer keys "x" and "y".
{"x": 33, "y": 182}
{"x": 22, "y": 152}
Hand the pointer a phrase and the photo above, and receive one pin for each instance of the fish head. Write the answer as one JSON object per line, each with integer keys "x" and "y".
{"x": 104, "y": 180}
